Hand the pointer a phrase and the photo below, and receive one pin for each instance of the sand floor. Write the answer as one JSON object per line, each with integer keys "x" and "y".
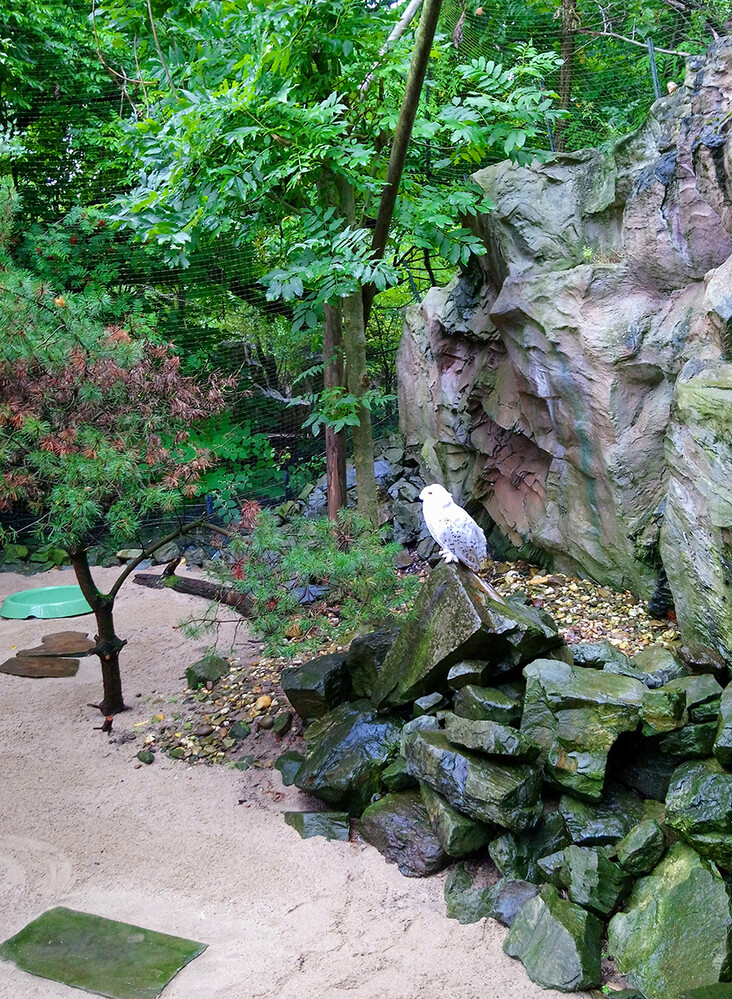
{"x": 203, "y": 851}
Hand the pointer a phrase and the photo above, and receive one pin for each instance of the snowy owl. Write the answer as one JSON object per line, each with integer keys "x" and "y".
{"x": 454, "y": 530}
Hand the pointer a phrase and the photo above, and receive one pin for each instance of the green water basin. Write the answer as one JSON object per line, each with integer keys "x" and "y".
{"x": 45, "y": 601}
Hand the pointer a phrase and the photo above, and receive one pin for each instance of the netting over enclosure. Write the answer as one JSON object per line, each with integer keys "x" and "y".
{"x": 138, "y": 177}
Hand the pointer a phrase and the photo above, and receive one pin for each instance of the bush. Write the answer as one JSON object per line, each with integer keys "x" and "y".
{"x": 315, "y": 581}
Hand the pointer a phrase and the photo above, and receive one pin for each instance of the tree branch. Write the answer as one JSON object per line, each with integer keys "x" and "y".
{"x": 630, "y": 41}
{"x": 183, "y": 529}
{"x": 160, "y": 51}
{"x": 397, "y": 31}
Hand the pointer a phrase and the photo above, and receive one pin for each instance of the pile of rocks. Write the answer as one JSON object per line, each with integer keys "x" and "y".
{"x": 596, "y": 783}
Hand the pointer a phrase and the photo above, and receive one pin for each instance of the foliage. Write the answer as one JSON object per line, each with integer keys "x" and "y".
{"x": 95, "y": 419}
{"x": 244, "y": 459}
{"x": 317, "y": 581}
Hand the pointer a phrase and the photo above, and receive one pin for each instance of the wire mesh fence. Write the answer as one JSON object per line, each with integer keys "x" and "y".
{"x": 64, "y": 95}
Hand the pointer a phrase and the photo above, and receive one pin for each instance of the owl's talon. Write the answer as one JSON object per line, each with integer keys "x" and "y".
{"x": 448, "y": 556}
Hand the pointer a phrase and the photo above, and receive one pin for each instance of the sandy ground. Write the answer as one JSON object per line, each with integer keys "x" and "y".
{"x": 203, "y": 851}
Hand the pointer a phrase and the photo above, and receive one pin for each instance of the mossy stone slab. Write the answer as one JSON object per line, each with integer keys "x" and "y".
{"x": 575, "y": 714}
{"x": 289, "y": 764}
{"x": 483, "y": 788}
{"x": 487, "y": 704}
{"x": 210, "y": 669}
{"x": 331, "y": 825}
{"x": 458, "y": 834}
{"x": 692, "y": 742}
{"x": 99, "y": 955}
{"x": 593, "y": 880}
{"x": 396, "y": 778}
{"x": 400, "y": 829}
{"x": 640, "y": 851}
{"x": 606, "y": 821}
{"x": 467, "y": 671}
{"x": 663, "y": 710}
{"x": 455, "y": 619}
{"x": 658, "y": 664}
{"x": 723, "y": 733}
{"x": 315, "y": 686}
{"x": 464, "y": 902}
{"x": 557, "y": 942}
{"x": 674, "y": 934}
{"x": 699, "y": 689}
{"x": 490, "y": 737}
{"x": 699, "y": 809}
{"x": 365, "y": 658}
{"x": 347, "y": 750}
{"x": 517, "y": 857}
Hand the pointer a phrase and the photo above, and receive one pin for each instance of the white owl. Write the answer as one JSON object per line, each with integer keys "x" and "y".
{"x": 454, "y": 530}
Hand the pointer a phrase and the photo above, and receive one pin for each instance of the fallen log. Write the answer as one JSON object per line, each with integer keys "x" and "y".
{"x": 241, "y": 602}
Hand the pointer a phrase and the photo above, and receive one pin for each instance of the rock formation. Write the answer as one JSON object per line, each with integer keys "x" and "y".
{"x": 552, "y": 768}
{"x": 540, "y": 384}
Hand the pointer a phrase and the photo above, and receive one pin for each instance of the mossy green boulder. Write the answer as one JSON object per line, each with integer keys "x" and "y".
{"x": 674, "y": 934}
{"x": 366, "y": 656}
{"x": 723, "y": 732}
{"x": 210, "y": 669}
{"x": 490, "y": 737}
{"x": 317, "y": 685}
{"x": 517, "y": 856}
{"x": 399, "y": 827}
{"x": 454, "y": 619}
{"x": 487, "y": 704}
{"x": 699, "y": 809}
{"x": 642, "y": 848}
{"x": 484, "y": 788}
{"x": 575, "y": 714}
{"x": 606, "y": 821}
{"x": 464, "y": 902}
{"x": 331, "y": 825}
{"x": 458, "y": 834}
{"x": 663, "y": 710}
{"x": 658, "y": 664}
{"x": 347, "y": 751}
{"x": 557, "y": 942}
{"x": 592, "y": 880}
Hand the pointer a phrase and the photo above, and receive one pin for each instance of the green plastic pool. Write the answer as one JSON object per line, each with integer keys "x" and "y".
{"x": 45, "y": 601}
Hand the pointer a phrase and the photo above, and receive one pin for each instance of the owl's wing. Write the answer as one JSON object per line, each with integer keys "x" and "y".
{"x": 466, "y": 538}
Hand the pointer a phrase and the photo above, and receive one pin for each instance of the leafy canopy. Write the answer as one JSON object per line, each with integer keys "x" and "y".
{"x": 95, "y": 419}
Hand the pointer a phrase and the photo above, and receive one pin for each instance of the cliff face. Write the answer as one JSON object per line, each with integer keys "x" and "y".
{"x": 540, "y": 385}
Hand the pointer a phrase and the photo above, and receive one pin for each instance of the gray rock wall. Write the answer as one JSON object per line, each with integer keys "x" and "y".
{"x": 539, "y": 386}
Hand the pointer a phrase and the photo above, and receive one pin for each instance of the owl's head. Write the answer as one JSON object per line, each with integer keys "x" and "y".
{"x": 436, "y": 495}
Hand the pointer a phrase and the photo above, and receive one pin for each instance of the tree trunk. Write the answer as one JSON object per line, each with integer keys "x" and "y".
{"x": 354, "y": 339}
{"x": 354, "y": 345}
{"x": 335, "y": 443}
{"x": 402, "y": 135}
{"x": 108, "y": 644}
{"x": 109, "y": 649}
{"x": 570, "y": 23}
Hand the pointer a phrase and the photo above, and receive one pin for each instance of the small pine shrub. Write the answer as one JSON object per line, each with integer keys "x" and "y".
{"x": 316, "y": 581}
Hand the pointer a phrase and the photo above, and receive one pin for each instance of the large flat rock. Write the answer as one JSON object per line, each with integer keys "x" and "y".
{"x": 455, "y": 619}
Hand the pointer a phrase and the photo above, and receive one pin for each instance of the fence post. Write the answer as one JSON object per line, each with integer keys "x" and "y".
{"x": 654, "y": 71}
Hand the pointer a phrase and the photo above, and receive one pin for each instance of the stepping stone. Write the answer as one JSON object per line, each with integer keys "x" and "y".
{"x": 99, "y": 955}
{"x": 39, "y": 666}
{"x": 61, "y": 643}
